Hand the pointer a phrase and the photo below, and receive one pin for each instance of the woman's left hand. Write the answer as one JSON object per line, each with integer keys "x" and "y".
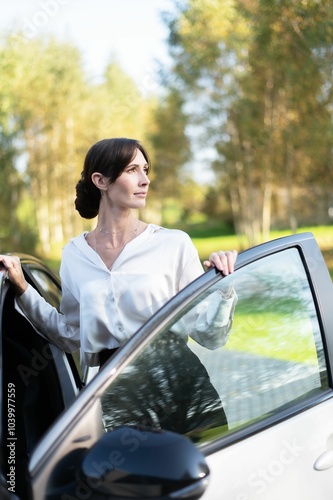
{"x": 223, "y": 261}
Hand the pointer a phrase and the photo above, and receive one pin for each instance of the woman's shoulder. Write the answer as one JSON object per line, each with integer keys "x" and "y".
{"x": 75, "y": 243}
{"x": 171, "y": 237}
{"x": 77, "y": 249}
{"x": 75, "y": 254}
{"x": 169, "y": 232}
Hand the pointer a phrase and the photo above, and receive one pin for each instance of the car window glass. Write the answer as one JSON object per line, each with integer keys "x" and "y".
{"x": 51, "y": 291}
{"x": 272, "y": 359}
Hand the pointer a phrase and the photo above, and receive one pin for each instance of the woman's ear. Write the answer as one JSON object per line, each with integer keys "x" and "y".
{"x": 99, "y": 180}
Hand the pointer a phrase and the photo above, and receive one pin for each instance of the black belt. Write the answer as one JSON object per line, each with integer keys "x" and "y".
{"x": 106, "y": 354}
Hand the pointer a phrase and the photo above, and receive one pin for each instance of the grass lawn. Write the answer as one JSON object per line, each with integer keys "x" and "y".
{"x": 271, "y": 324}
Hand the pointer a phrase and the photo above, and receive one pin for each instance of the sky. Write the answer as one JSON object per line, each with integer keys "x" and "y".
{"x": 130, "y": 30}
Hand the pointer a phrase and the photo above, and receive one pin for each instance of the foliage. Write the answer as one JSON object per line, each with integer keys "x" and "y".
{"x": 249, "y": 91}
{"x": 171, "y": 149}
{"x": 50, "y": 115}
{"x": 259, "y": 72}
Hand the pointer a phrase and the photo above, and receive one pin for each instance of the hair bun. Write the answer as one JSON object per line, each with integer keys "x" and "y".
{"x": 86, "y": 202}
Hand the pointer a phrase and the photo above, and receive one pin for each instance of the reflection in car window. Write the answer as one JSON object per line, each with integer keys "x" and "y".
{"x": 51, "y": 291}
{"x": 272, "y": 360}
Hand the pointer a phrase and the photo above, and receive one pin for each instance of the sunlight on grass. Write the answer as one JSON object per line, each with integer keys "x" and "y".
{"x": 257, "y": 335}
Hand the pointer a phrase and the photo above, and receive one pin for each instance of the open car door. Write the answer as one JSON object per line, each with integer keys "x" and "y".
{"x": 251, "y": 419}
{"x": 38, "y": 381}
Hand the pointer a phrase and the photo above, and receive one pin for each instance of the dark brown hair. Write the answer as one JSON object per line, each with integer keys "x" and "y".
{"x": 109, "y": 157}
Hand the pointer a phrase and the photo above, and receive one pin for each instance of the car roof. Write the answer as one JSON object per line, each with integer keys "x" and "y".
{"x": 35, "y": 262}
{"x": 27, "y": 258}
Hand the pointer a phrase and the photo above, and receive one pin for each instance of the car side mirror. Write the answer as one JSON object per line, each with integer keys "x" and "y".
{"x": 144, "y": 463}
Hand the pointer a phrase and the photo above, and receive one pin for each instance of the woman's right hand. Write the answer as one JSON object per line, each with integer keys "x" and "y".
{"x": 13, "y": 266}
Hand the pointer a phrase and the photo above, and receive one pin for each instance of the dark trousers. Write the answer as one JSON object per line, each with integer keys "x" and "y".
{"x": 165, "y": 387}
{"x": 106, "y": 354}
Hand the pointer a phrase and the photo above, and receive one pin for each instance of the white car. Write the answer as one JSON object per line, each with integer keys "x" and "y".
{"x": 162, "y": 419}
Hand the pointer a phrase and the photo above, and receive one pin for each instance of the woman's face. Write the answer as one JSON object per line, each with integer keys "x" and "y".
{"x": 130, "y": 189}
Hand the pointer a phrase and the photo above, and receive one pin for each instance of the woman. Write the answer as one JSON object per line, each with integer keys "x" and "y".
{"x": 118, "y": 275}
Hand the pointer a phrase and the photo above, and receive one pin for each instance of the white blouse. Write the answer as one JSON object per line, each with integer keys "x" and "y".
{"x": 101, "y": 308}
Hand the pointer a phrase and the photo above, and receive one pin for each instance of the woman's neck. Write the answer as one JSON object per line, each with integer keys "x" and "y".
{"x": 116, "y": 232}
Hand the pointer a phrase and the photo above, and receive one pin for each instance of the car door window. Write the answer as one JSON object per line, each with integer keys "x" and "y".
{"x": 272, "y": 363}
{"x": 51, "y": 290}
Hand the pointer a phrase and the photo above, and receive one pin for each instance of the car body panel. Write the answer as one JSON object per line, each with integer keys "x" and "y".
{"x": 277, "y": 462}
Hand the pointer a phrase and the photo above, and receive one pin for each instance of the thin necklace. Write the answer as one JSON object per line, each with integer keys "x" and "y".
{"x": 108, "y": 232}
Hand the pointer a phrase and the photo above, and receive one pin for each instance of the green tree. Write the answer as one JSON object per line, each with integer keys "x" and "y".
{"x": 44, "y": 82}
{"x": 171, "y": 148}
{"x": 15, "y": 233}
{"x": 115, "y": 107}
{"x": 52, "y": 114}
{"x": 258, "y": 72}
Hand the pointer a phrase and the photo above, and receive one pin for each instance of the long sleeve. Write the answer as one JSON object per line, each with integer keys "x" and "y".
{"x": 60, "y": 329}
{"x": 209, "y": 322}
{"x": 214, "y": 322}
